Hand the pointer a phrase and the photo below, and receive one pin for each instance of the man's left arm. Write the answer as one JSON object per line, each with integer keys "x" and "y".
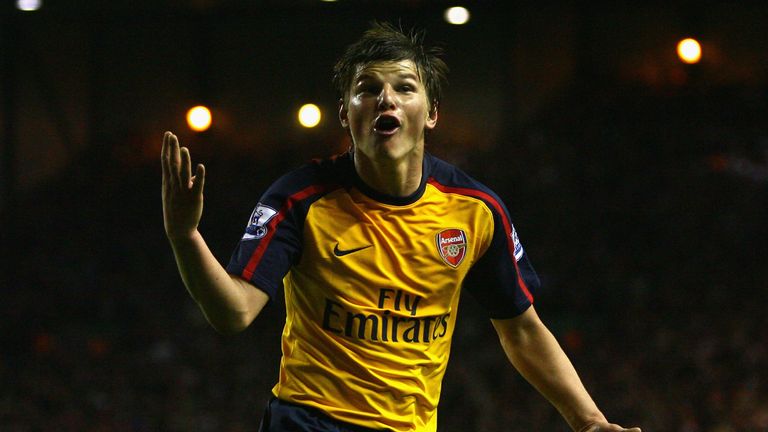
{"x": 534, "y": 351}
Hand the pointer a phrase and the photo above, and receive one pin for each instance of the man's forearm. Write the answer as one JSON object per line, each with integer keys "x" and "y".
{"x": 534, "y": 351}
{"x": 229, "y": 303}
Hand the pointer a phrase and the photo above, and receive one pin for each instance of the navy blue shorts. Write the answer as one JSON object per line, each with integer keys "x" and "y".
{"x": 281, "y": 416}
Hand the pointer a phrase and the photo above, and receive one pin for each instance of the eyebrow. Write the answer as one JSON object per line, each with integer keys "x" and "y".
{"x": 410, "y": 75}
{"x": 405, "y": 75}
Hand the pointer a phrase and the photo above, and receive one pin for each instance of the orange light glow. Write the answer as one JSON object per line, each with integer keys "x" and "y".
{"x": 689, "y": 51}
{"x": 199, "y": 118}
{"x": 309, "y": 115}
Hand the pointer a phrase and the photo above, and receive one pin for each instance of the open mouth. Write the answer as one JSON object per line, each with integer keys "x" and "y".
{"x": 386, "y": 125}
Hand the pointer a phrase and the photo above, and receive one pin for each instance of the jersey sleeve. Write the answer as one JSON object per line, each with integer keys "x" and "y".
{"x": 503, "y": 279}
{"x": 272, "y": 241}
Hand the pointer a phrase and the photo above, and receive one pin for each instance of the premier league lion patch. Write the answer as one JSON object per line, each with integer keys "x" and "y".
{"x": 452, "y": 244}
{"x": 518, "y": 246}
{"x": 257, "y": 224}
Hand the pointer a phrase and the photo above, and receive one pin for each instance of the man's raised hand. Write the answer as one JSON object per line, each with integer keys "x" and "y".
{"x": 182, "y": 192}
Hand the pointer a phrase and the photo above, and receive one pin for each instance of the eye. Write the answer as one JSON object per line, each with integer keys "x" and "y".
{"x": 407, "y": 88}
{"x": 367, "y": 89}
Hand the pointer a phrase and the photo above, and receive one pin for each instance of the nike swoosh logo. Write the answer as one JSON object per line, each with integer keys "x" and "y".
{"x": 338, "y": 252}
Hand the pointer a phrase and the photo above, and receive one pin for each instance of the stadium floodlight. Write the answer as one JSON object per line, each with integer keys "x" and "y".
{"x": 199, "y": 118}
{"x": 309, "y": 115}
{"x": 457, "y": 15}
{"x": 29, "y": 5}
{"x": 689, "y": 50}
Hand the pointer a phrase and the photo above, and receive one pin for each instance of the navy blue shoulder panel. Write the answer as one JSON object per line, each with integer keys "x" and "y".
{"x": 451, "y": 175}
{"x": 272, "y": 241}
{"x": 503, "y": 279}
{"x": 336, "y": 171}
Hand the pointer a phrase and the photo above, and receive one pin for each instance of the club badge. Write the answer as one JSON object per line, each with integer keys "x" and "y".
{"x": 452, "y": 245}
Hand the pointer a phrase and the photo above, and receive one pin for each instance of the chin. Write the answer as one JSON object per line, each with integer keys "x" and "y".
{"x": 388, "y": 149}
{"x": 392, "y": 150}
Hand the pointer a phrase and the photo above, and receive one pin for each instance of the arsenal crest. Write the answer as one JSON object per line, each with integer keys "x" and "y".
{"x": 452, "y": 244}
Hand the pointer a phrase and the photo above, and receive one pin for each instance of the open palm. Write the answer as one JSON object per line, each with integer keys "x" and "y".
{"x": 182, "y": 192}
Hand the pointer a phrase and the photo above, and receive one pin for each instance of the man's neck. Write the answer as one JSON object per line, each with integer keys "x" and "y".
{"x": 398, "y": 178}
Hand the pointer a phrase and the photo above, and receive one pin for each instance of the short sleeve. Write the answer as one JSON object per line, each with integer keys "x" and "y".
{"x": 269, "y": 246}
{"x": 272, "y": 241}
{"x": 503, "y": 279}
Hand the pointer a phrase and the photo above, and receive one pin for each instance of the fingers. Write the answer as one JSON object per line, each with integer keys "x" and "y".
{"x": 164, "y": 158}
{"x": 199, "y": 180}
{"x": 176, "y": 164}
{"x": 186, "y": 168}
{"x": 170, "y": 159}
{"x": 175, "y": 161}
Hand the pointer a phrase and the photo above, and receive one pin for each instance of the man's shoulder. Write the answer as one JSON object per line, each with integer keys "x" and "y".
{"x": 451, "y": 177}
{"x": 315, "y": 176}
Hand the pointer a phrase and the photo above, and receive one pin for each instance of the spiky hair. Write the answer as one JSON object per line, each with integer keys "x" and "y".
{"x": 385, "y": 42}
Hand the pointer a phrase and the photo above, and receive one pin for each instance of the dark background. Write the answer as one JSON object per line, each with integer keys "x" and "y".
{"x": 638, "y": 184}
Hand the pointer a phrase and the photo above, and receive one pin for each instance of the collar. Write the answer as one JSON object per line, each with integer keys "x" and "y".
{"x": 391, "y": 199}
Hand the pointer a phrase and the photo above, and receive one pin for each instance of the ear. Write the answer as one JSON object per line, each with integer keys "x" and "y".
{"x": 432, "y": 117}
{"x": 343, "y": 114}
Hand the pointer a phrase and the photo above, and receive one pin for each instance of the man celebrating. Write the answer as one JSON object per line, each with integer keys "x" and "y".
{"x": 372, "y": 249}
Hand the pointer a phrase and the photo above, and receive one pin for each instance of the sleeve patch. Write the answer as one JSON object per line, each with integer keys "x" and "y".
{"x": 257, "y": 224}
{"x": 518, "y": 246}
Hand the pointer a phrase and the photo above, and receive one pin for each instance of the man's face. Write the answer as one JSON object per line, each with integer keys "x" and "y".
{"x": 387, "y": 112}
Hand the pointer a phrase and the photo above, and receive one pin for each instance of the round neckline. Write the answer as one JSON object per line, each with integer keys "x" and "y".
{"x": 386, "y": 198}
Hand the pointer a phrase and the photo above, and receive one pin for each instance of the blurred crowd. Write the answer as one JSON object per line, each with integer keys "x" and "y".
{"x": 651, "y": 248}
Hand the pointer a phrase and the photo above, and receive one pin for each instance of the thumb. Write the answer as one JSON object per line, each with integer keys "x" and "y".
{"x": 199, "y": 179}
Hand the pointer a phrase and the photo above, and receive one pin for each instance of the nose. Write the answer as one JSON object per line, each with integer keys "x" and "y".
{"x": 387, "y": 98}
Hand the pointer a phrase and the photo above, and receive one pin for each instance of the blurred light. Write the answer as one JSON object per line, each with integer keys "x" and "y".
{"x": 309, "y": 115}
{"x": 689, "y": 51}
{"x": 199, "y": 118}
{"x": 457, "y": 15}
{"x": 29, "y": 5}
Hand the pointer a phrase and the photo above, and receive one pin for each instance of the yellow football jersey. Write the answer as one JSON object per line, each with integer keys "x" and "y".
{"x": 372, "y": 285}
